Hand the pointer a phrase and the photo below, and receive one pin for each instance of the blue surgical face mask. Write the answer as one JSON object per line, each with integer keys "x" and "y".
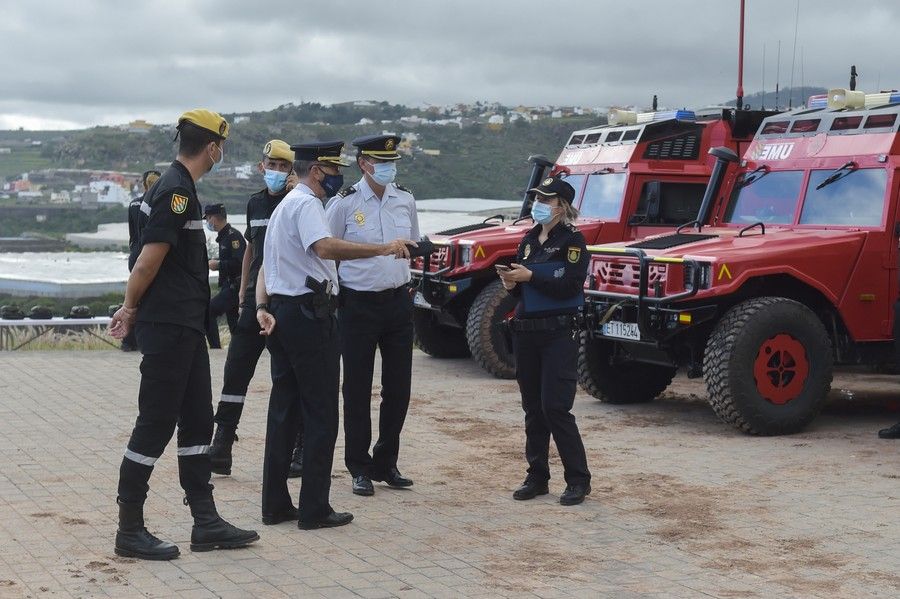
{"x": 332, "y": 184}
{"x": 210, "y": 227}
{"x": 541, "y": 213}
{"x": 384, "y": 173}
{"x": 275, "y": 180}
{"x": 218, "y": 163}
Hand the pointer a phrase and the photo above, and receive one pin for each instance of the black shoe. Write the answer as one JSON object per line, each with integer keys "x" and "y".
{"x": 296, "y": 468}
{"x": 330, "y": 521}
{"x": 212, "y": 532}
{"x": 220, "y": 450}
{"x": 362, "y": 485}
{"x": 574, "y": 494}
{"x": 890, "y": 433}
{"x": 133, "y": 540}
{"x": 393, "y": 478}
{"x": 530, "y": 490}
{"x": 288, "y": 513}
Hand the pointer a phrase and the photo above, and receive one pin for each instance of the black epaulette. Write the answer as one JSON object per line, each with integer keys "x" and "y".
{"x": 401, "y": 188}
{"x": 346, "y": 191}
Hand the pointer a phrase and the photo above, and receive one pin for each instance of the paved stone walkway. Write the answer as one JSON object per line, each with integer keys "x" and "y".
{"x": 682, "y": 506}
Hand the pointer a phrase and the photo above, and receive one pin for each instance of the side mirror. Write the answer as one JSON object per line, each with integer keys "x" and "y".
{"x": 723, "y": 153}
{"x": 540, "y": 160}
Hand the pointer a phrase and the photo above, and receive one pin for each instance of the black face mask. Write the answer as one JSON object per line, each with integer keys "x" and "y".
{"x": 332, "y": 184}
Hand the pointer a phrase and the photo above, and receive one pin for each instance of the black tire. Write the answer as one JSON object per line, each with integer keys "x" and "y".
{"x": 486, "y": 338}
{"x": 768, "y": 366}
{"x": 620, "y": 383}
{"x": 435, "y": 339}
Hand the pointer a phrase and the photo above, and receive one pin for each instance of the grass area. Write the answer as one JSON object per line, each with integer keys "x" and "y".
{"x": 64, "y": 340}
{"x": 22, "y": 160}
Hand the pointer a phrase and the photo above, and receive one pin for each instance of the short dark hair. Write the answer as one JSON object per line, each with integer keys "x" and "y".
{"x": 193, "y": 139}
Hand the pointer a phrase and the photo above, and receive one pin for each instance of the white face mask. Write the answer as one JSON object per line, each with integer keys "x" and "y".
{"x": 384, "y": 172}
{"x": 218, "y": 163}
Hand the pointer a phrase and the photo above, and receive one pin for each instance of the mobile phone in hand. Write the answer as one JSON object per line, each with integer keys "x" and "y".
{"x": 502, "y": 267}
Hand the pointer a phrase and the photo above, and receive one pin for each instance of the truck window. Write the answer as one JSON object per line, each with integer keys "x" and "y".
{"x": 856, "y": 199}
{"x": 677, "y": 204}
{"x": 603, "y": 196}
{"x": 768, "y": 197}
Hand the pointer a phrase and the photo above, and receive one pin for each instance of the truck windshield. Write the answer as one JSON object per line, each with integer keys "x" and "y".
{"x": 603, "y": 196}
{"x": 855, "y": 199}
{"x": 768, "y": 199}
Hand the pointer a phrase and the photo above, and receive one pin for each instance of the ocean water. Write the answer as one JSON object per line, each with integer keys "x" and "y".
{"x": 80, "y": 274}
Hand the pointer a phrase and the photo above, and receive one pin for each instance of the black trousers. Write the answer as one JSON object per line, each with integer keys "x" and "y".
{"x": 546, "y": 371}
{"x": 224, "y": 302}
{"x": 175, "y": 390}
{"x": 305, "y": 380}
{"x": 240, "y": 364}
{"x": 369, "y": 321}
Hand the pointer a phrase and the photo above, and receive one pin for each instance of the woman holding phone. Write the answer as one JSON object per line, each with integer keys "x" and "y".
{"x": 548, "y": 278}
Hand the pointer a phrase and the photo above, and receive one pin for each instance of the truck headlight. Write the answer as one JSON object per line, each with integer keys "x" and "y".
{"x": 703, "y": 279}
{"x": 465, "y": 255}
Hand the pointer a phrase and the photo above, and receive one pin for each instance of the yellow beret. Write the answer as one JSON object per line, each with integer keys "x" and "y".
{"x": 206, "y": 119}
{"x": 278, "y": 150}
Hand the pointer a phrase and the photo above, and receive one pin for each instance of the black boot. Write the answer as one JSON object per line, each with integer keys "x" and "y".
{"x": 296, "y": 469}
{"x": 212, "y": 532}
{"x": 133, "y": 540}
{"x": 220, "y": 451}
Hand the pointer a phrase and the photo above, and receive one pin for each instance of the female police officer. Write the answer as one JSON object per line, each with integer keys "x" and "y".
{"x": 548, "y": 277}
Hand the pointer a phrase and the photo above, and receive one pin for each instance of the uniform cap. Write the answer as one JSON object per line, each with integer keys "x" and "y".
{"x": 278, "y": 150}
{"x": 555, "y": 187}
{"x": 211, "y": 209}
{"x": 320, "y": 151}
{"x": 213, "y": 122}
{"x": 382, "y": 147}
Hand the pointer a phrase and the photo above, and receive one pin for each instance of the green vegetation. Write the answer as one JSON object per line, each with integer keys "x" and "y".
{"x": 61, "y": 306}
{"x": 22, "y": 160}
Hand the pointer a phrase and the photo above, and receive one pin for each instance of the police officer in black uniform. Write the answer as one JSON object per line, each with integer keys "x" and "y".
{"x": 138, "y": 210}
{"x": 247, "y": 344}
{"x": 548, "y": 278}
{"x": 231, "y": 255}
{"x": 166, "y": 299}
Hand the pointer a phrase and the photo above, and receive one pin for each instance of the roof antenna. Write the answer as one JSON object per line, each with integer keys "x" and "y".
{"x": 853, "y": 76}
{"x": 654, "y": 103}
{"x": 764, "y": 78}
{"x": 740, "y": 84}
{"x": 794, "y": 56}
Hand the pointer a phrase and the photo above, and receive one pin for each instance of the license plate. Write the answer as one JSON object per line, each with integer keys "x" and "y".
{"x": 419, "y": 300}
{"x": 622, "y": 330}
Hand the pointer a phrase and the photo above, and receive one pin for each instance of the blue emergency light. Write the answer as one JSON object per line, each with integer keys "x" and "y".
{"x": 681, "y": 115}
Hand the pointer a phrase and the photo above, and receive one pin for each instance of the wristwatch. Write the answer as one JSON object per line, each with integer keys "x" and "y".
{"x": 262, "y": 307}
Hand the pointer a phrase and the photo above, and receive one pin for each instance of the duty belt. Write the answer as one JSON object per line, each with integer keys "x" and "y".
{"x": 376, "y": 296}
{"x": 305, "y": 300}
{"x": 550, "y": 323}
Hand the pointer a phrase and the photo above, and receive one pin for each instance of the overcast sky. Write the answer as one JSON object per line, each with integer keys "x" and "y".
{"x": 76, "y": 63}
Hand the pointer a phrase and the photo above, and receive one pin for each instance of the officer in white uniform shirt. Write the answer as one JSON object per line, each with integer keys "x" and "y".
{"x": 296, "y": 299}
{"x": 375, "y": 312}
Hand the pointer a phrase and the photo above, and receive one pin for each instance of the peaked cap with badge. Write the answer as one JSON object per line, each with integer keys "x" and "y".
{"x": 382, "y": 147}
{"x": 328, "y": 152}
{"x": 555, "y": 187}
{"x": 213, "y": 122}
{"x": 278, "y": 150}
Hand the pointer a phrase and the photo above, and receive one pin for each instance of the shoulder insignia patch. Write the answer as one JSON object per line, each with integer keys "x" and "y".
{"x": 402, "y": 188}
{"x": 573, "y": 254}
{"x": 236, "y": 244}
{"x": 527, "y": 251}
{"x": 346, "y": 191}
{"x": 179, "y": 203}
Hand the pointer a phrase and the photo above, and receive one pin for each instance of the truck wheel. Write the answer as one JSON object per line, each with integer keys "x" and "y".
{"x": 435, "y": 339}
{"x": 620, "y": 383}
{"x": 768, "y": 366}
{"x": 486, "y": 338}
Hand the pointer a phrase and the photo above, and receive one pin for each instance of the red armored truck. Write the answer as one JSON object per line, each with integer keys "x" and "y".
{"x": 641, "y": 175}
{"x": 797, "y": 274}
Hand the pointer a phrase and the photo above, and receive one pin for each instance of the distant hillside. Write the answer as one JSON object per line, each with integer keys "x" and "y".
{"x": 474, "y": 161}
{"x": 799, "y": 96}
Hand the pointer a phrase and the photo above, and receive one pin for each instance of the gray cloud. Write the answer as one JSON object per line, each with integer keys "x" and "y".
{"x": 101, "y": 61}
